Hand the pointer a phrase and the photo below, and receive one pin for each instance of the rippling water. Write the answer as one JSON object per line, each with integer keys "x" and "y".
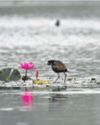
{"x": 75, "y": 42}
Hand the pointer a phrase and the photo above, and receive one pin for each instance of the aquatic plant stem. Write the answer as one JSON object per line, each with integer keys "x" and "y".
{"x": 26, "y": 73}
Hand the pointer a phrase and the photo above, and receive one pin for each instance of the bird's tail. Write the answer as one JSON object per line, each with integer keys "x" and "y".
{"x": 66, "y": 70}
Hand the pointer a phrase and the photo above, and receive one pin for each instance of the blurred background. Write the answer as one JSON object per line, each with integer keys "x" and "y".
{"x": 28, "y": 32}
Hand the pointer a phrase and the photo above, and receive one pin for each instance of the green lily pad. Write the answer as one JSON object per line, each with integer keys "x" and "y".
{"x": 9, "y": 74}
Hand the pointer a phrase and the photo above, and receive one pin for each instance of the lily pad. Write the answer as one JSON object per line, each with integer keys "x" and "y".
{"x": 9, "y": 74}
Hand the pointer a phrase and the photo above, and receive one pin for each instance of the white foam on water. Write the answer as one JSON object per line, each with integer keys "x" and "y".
{"x": 74, "y": 91}
{"x": 18, "y": 21}
{"x": 67, "y": 92}
{"x": 7, "y": 109}
{"x": 92, "y": 23}
{"x": 34, "y": 32}
{"x": 21, "y": 108}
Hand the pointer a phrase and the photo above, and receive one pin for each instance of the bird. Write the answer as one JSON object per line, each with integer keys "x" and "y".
{"x": 57, "y": 23}
{"x": 58, "y": 67}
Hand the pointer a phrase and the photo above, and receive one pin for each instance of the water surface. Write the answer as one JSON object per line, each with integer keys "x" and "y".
{"x": 72, "y": 110}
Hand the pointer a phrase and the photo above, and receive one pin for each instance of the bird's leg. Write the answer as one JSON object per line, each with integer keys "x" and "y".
{"x": 57, "y": 78}
{"x": 65, "y": 77}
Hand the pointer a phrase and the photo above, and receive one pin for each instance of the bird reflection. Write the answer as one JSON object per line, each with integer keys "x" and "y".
{"x": 56, "y": 103}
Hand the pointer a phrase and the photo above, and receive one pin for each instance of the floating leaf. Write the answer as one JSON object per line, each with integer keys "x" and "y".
{"x": 9, "y": 74}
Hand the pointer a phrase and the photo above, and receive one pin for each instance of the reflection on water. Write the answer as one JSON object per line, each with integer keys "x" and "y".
{"x": 27, "y": 98}
{"x": 72, "y": 110}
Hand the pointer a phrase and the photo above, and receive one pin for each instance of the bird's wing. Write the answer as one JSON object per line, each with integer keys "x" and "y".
{"x": 59, "y": 66}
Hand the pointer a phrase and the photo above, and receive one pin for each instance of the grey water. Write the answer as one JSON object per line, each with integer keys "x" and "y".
{"x": 28, "y": 33}
{"x": 75, "y": 109}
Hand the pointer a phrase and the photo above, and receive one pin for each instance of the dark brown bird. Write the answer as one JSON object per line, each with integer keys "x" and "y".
{"x": 57, "y": 23}
{"x": 58, "y": 67}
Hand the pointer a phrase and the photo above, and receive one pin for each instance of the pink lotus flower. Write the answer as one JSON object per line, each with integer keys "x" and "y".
{"x": 27, "y": 66}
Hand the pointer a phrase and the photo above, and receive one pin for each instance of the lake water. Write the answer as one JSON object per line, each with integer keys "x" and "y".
{"x": 28, "y": 33}
{"x": 75, "y": 109}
